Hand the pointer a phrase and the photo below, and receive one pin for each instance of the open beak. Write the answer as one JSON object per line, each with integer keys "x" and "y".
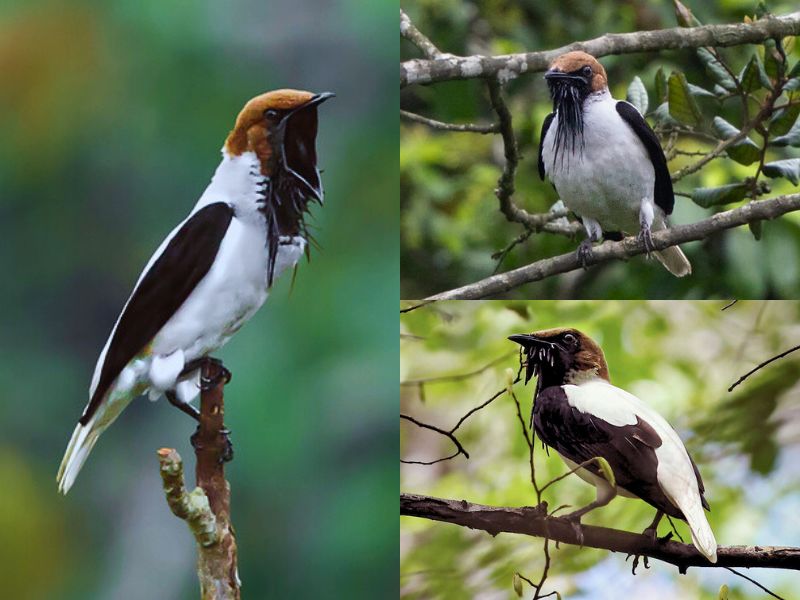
{"x": 299, "y": 144}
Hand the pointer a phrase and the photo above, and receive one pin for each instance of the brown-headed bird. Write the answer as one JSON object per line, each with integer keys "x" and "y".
{"x": 214, "y": 270}
{"x": 604, "y": 160}
{"x": 581, "y": 415}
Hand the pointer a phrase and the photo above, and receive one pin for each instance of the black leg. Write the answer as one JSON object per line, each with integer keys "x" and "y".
{"x": 585, "y": 252}
{"x": 207, "y": 384}
{"x": 182, "y": 406}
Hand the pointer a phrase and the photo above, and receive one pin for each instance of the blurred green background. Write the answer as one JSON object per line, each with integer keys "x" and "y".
{"x": 680, "y": 358}
{"x": 450, "y": 220}
{"x": 113, "y": 114}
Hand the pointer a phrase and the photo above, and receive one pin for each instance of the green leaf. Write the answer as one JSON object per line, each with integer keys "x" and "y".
{"x": 715, "y": 69}
{"x": 783, "y": 120}
{"x": 792, "y": 138}
{"x": 608, "y": 473}
{"x": 749, "y": 76}
{"x": 637, "y": 95}
{"x": 716, "y": 196}
{"x": 684, "y": 16}
{"x": 517, "y": 583}
{"x": 773, "y": 61}
{"x": 661, "y": 114}
{"x": 696, "y": 90}
{"x": 788, "y": 168}
{"x": 792, "y": 85}
{"x": 755, "y": 229}
{"x": 661, "y": 86}
{"x": 723, "y": 592}
{"x": 795, "y": 72}
{"x": 745, "y": 152}
{"x": 682, "y": 105}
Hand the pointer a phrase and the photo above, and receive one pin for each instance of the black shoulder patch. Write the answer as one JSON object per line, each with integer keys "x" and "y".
{"x": 171, "y": 278}
{"x": 629, "y": 449}
{"x": 545, "y": 126}
{"x": 663, "y": 195}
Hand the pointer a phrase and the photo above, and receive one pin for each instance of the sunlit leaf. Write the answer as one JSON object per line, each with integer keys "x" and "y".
{"x": 788, "y": 168}
{"x": 723, "y": 592}
{"x": 608, "y": 472}
{"x": 715, "y": 196}
{"x": 682, "y": 105}
{"x": 745, "y": 152}
{"x": 516, "y": 582}
{"x": 637, "y": 95}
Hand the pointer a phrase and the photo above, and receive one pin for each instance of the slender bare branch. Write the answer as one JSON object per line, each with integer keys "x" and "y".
{"x": 442, "y": 126}
{"x": 449, "y": 67}
{"x": 416, "y": 37}
{"x": 534, "y": 521}
{"x": 757, "y": 210}
{"x": 762, "y": 365}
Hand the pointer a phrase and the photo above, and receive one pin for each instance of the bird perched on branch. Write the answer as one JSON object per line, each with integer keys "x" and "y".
{"x": 604, "y": 160}
{"x": 214, "y": 270}
{"x": 581, "y": 415}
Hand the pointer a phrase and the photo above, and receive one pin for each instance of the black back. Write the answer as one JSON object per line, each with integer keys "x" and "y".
{"x": 545, "y": 126}
{"x": 172, "y": 277}
{"x": 663, "y": 195}
{"x": 629, "y": 449}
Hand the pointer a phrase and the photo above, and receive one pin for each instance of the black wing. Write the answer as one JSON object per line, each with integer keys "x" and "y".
{"x": 664, "y": 196}
{"x": 545, "y": 126}
{"x": 630, "y": 449}
{"x": 172, "y": 277}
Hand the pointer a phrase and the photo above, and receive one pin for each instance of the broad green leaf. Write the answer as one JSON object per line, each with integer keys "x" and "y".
{"x": 661, "y": 86}
{"x": 749, "y": 76}
{"x": 795, "y": 72}
{"x": 745, "y": 152}
{"x": 637, "y": 95}
{"x": 696, "y": 90}
{"x": 788, "y": 168}
{"x": 783, "y": 120}
{"x": 716, "y": 196}
{"x": 608, "y": 473}
{"x": 715, "y": 69}
{"x": 762, "y": 73}
{"x": 682, "y": 105}
{"x": 773, "y": 61}
{"x": 755, "y": 229}
{"x": 792, "y": 85}
{"x": 792, "y": 138}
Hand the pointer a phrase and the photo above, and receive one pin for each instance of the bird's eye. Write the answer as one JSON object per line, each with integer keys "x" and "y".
{"x": 586, "y": 71}
{"x": 271, "y": 114}
{"x": 570, "y": 339}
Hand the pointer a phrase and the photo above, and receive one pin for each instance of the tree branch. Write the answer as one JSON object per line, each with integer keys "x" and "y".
{"x": 442, "y": 126}
{"x": 446, "y": 67}
{"x": 207, "y": 508}
{"x": 534, "y": 521}
{"x": 758, "y": 210}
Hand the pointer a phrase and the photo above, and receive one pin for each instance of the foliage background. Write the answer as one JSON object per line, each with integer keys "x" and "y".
{"x": 112, "y": 116}
{"x": 450, "y": 221}
{"x": 680, "y": 357}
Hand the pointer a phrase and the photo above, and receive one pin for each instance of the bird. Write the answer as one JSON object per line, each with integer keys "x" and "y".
{"x": 214, "y": 270}
{"x": 581, "y": 415}
{"x": 605, "y": 161}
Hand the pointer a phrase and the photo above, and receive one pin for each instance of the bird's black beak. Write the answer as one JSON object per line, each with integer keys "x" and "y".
{"x": 554, "y": 76}
{"x": 525, "y": 340}
{"x": 299, "y": 144}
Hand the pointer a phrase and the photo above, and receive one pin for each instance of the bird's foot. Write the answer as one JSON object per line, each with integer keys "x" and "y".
{"x": 646, "y": 237}
{"x": 652, "y": 533}
{"x": 227, "y": 451}
{"x": 585, "y": 253}
{"x": 209, "y": 383}
{"x": 636, "y": 558}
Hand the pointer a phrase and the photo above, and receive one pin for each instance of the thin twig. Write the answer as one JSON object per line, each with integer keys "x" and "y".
{"x": 448, "y": 434}
{"x": 459, "y": 376}
{"x": 753, "y": 581}
{"x": 761, "y": 366}
{"x": 420, "y": 40}
{"x": 442, "y": 126}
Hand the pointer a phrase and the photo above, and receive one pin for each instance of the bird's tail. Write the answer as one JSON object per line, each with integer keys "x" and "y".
{"x": 702, "y": 536}
{"x": 83, "y": 440}
{"x": 674, "y": 261}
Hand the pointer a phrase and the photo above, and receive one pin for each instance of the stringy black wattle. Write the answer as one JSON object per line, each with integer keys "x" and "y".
{"x": 568, "y": 101}
{"x": 285, "y": 206}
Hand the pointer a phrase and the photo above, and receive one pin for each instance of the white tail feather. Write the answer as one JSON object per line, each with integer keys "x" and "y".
{"x": 83, "y": 440}
{"x": 702, "y": 536}
{"x": 674, "y": 261}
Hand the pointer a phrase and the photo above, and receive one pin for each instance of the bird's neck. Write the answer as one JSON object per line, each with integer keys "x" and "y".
{"x": 579, "y": 376}
{"x": 237, "y": 181}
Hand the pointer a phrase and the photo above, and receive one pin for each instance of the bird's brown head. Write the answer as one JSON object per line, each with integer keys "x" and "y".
{"x": 560, "y": 356}
{"x": 577, "y": 69}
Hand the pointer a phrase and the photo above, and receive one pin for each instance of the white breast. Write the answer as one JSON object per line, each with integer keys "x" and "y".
{"x": 609, "y": 178}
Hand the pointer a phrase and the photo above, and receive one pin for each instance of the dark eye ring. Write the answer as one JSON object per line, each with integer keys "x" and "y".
{"x": 570, "y": 339}
{"x": 271, "y": 114}
{"x": 587, "y": 71}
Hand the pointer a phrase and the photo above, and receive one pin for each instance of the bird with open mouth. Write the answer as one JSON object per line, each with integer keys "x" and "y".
{"x": 581, "y": 415}
{"x": 214, "y": 270}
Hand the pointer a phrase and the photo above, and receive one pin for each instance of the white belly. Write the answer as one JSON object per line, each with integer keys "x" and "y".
{"x": 609, "y": 178}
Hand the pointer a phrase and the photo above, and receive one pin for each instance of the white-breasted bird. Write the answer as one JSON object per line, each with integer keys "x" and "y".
{"x": 604, "y": 160}
{"x": 581, "y": 415}
{"x": 214, "y": 270}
